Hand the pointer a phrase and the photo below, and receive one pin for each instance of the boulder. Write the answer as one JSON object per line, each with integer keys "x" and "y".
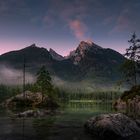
{"x": 131, "y": 107}
{"x": 120, "y": 105}
{"x": 28, "y": 98}
{"x": 112, "y": 126}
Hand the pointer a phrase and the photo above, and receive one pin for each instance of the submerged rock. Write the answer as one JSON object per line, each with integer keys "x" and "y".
{"x": 112, "y": 126}
{"x": 36, "y": 113}
{"x": 28, "y": 113}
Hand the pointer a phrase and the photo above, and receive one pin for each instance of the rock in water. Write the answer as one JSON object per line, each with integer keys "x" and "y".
{"x": 120, "y": 105}
{"x": 112, "y": 126}
{"x": 19, "y": 100}
{"x": 36, "y": 113}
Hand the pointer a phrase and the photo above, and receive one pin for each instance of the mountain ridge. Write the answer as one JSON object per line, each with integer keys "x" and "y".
{"x": 88, "y": 62}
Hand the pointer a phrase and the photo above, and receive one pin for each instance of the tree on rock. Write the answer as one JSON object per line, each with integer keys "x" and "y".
{"x": 44, "y": 81}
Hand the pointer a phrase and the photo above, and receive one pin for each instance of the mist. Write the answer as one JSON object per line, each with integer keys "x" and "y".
{"x": 85, "y": 86}
{"x": 11, "y": 76}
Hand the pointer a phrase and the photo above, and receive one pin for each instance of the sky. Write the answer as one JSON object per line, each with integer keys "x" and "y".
{"x": 62, "y": 24}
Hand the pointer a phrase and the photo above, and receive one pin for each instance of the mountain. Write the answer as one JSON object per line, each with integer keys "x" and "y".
{"x": 33, "y": 56}
{"x": 55, "y": 55}
{"x": 80, "y": 52}
{"x": 97, "y": 62}
{"x": 88, "y": 62}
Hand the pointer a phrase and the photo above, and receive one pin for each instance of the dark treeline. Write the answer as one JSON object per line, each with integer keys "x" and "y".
{"x": 63, "y": 94}
{"x": 67, "y": 95}
{"x": 9, "y": 91}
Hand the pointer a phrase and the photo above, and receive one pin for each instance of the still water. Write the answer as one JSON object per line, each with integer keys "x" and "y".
{"x": 66, "y": 125}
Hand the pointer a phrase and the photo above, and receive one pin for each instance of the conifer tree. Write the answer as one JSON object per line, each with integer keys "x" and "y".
{"x": 44, "y": 81}
{"x": 131, "y": 67}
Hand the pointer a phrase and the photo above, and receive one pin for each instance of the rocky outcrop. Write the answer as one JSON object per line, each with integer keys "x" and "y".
{"x": 130, "y": 106}
{"x": 112, "y": 126}
{"x": 28, "y": 98}
{"x": 77, "y": 55}
{"x": 133, "y": 107}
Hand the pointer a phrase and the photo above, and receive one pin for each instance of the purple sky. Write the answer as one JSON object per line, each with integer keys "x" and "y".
{"x": 62, "y": 24}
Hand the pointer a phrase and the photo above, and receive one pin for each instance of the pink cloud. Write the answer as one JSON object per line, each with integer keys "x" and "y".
{"x": 72, "y": 13}
{"x": 78, "y": 28}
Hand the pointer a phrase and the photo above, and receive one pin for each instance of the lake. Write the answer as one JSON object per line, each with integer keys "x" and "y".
{"x": 66, "y": 125}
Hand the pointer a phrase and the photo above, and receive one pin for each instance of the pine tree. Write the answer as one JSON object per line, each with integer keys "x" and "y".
{"x": 44, "y": 81}
{"x": 131, "y": 66}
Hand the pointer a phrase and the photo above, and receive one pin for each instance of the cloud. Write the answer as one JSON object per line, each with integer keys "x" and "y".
{"x": 71, "y": 13}
{"x": 78, "y": 28}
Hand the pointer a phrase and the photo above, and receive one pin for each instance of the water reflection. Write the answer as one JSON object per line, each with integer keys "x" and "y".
{"x": 68, "y": 125}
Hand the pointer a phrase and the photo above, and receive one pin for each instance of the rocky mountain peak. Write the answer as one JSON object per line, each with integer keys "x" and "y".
{"x": 33, "y": 45}
{"x": 34, "y": 48}
{"x": 82, "y": 49}
{"x": 86, "y": 45}
{"x": 55, "y": 55}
